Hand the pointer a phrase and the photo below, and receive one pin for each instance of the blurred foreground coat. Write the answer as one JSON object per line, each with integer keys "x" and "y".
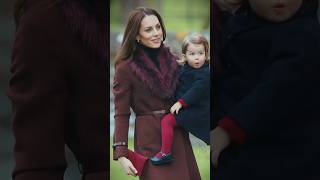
{"x": 270, "y": 87}
{"x": 58, "y": 89}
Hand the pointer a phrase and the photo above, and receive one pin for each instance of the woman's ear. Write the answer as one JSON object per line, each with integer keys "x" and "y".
{"x": 138, "y": 38}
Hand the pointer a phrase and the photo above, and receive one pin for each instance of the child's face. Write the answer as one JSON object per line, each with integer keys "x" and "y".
{"x": 195, "y": 55}
{"x": 275, "y": 10}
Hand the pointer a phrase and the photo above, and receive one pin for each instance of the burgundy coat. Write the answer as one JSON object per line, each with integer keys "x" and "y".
{"x": 58, "y": 89}
{"x": 140, "y": 85}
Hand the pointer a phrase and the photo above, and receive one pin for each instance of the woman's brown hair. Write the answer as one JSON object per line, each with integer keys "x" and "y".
{"x": 128, "y": 45}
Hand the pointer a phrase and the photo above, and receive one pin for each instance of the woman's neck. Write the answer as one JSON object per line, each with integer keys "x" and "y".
{"x": 152, "y": 53}
{"x": 149, "y": 49}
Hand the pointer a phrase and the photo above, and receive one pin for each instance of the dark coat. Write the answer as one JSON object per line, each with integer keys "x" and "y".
{"x": 58, "y": 89}
{"x": 139, "y": 85}
{"x": 194, "y": 89}
{"x": 270, "y": 87}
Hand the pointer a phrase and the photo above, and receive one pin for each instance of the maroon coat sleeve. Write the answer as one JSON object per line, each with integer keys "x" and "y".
{"x": 122, "y": 94}
{"x": 38, "y": 92}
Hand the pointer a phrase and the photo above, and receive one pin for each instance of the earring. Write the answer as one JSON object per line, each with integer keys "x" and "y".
{"x": 138, "y": 40}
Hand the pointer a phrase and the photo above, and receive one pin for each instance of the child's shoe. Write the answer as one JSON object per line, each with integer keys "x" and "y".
{"x": 161, "y": 158}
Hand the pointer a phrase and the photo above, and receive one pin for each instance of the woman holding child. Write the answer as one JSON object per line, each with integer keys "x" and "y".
{"x": 145, "y": 80}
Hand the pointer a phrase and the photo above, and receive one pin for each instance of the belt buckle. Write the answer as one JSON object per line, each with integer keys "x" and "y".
{"x": 159, "y": 112}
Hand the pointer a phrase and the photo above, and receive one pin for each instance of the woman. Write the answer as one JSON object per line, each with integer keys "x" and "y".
{"x": 58, "y": 88}
{"x": 146, "y": 77}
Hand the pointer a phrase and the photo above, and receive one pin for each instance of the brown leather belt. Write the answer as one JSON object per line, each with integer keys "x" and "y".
{"x": 159, "y": 112}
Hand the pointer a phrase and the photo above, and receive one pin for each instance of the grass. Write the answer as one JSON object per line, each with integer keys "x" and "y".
{"x": 178, "y": 16}
{"x": 201, "y": 154}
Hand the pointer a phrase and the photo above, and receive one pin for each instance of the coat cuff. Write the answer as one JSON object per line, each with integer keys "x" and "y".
{"x": 183, "y": 103}
{"x": 236, "y": 133}
{"x": 120, "y": 151}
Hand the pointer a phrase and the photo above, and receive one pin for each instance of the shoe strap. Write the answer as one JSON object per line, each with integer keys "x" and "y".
{"x": 163, "y": 154}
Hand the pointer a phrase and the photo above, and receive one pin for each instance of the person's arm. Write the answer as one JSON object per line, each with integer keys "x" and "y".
{"x": 219, "y": 140}
{"x": 286, "y": 88}
{"x": 122, "y": 94}
{"x": 227, "y": 132}
{"x": 280, "y": 92}
{"x": 281, "y": 89}
{"x": 199, "y": 86}
{"x": 38, "y": 91}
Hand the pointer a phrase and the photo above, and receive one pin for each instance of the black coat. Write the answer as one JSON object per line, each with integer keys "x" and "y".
{"x": 270, "y": 87}
{"x": 194, "y": 89}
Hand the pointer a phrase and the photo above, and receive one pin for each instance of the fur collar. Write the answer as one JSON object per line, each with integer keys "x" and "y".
{"x": 92, "y": 30}
{"x": 161, "y": 82}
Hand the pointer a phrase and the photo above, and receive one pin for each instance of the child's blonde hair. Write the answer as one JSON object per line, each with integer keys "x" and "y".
{"x": 195, "y": 39}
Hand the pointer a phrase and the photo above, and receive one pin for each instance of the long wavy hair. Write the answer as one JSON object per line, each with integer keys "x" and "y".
{"x": 128, "y": 45}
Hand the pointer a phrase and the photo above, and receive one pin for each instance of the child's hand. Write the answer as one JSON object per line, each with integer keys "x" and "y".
{"x": 219, "y": 141}
{"x": 176, "y": 107}
{"x": 127, "y": 166}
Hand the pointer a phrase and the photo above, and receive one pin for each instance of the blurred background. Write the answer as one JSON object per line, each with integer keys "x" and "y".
{"x": 180, "y": 17}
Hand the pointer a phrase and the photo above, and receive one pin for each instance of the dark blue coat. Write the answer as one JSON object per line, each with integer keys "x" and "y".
{"x": 194, "y": 89}
{"x": 270, "y": 87}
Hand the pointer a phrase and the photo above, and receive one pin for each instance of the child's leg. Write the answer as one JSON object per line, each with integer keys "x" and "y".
{"x": 168, "y": 123}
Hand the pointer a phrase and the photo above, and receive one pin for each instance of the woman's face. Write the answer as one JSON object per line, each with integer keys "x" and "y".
{"x": 276, "y": 10}
{"x": 150, "y": 32}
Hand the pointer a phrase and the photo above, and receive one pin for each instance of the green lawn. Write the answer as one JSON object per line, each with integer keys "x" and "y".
{"x": 201, "y": 153}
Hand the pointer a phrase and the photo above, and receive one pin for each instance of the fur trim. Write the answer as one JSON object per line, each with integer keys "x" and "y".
{"x": 93, "y": 33}
{"x": 161, "y": 82}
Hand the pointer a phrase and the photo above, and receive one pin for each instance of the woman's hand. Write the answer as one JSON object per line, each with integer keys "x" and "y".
{"x": 219, "y": 141}
{"x": 176, "y": 107}
{"x": 127, "y": 166}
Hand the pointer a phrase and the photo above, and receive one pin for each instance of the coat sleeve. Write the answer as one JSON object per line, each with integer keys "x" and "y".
{"x": 38, "y": 91}
{"x": 199, "y": 86}
{"x": 122, "y": 94}
{"x": 285, "y": 90}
